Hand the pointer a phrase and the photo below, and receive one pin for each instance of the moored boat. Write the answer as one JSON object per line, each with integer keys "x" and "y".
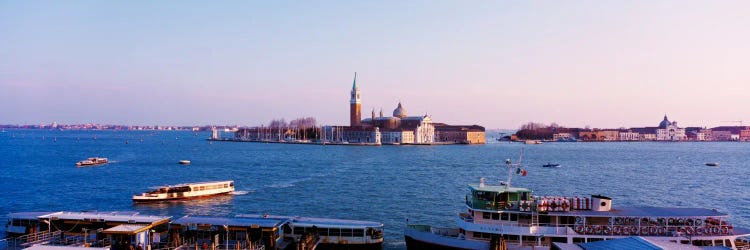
{"x": 184, "y": 162}
{"x": 551, "y": 165}
{"x": 499, "y": 215}
{"x": 333, "y": 233}
{"x": 712, "y": 164}
{"x": 93, "y": 161}
{"x": 186, "y": 191}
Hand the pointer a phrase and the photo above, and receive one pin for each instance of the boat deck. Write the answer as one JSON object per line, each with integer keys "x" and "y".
{"x": 645, "y": 212}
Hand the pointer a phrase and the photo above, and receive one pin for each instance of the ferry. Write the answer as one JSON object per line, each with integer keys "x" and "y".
{"x": 92, "y": 162}
{"x": 502, "y": 216}
{"x": 332, "y": 233}
{"x": 186, "y": 191}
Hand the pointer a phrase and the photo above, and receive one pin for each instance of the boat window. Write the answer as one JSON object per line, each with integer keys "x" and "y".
{"x": 502, "y": 197}
{"x": 727, "y": 243}
{"x": 504, "y": 216}
{"x": 513, "y": 217}
{"x": 524, "y": 196}
{"x": 513, "y": 197}
{"x": 359, "y": 232}
{"x": 346, "y": 232}
{"x": 718, "y": 242}
{"x": 334, "y": 232}
{"x": 495, "y": 216}
{"x": 322, "y": 231}
{"x": 299, "y": 230}
{"x": 485, "y": 215}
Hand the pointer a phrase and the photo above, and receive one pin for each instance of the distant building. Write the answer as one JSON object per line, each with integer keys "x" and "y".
{"x": 630, "y": 136}
{"x": 745, "y": 135}
{"x": 721, "y": 135}
{"x": 466, "y": 134}
{"x": 668, "y": 131}
{"x": 562, "y": 136}
{"x": 400, "y": 128}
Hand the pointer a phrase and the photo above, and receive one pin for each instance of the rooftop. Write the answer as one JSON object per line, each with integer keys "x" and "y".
{"x": 320, "y": 222}
{"x": 232, "y": 221}
{"x": 491, "y": 188}
{"x": 107, "y": 216}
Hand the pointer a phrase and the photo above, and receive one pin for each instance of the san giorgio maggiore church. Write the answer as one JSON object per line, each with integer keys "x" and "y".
{"x": 399, "y": 128}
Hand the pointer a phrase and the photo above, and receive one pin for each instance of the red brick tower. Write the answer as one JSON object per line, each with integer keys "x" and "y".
{"x": 355, "y": 105}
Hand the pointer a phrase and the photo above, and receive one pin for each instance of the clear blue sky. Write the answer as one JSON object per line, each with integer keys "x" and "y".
{"x": 493, "y": 63}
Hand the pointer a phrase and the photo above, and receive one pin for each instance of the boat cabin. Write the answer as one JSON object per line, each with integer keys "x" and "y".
{"x": 233, "y": 233}
{"x": 486, "y": 197}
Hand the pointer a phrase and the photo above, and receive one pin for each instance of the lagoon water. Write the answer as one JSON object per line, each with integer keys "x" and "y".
{"x": 389, "y": 184}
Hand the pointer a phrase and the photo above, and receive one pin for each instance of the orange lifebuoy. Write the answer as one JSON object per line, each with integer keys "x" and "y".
{"x": 579, "y": 229}
{"x": 724, "y": 230}
{"x": 689, "y": 230}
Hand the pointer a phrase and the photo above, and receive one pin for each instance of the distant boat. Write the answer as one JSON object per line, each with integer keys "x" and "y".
{"x": 184, "y": 162}
{"x": 533, "y": 142}
{"x": 551, "y": 165}
{"x": 92, "y": 162}
{"x": 712, "y": 164}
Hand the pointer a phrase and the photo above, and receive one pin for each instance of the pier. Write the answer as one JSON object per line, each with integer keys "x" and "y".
{"x": 130, "y": 230}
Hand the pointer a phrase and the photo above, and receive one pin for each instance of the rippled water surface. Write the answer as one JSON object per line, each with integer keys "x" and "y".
{"x": 389, "y": 184}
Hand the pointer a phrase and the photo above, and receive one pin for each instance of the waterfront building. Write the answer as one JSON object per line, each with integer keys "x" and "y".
{"x": 648, "y": 137}
{"x": 704, "y": 135}
{"x": 466, "y": 134}
{"x": 629, "y": 136}
{"x": 745, "y": 134}
{"x": 562, "y": 136}
{"x": 721, "y": 135}
{"x": 668, "y": 131}
{"x": 608, "y": 135}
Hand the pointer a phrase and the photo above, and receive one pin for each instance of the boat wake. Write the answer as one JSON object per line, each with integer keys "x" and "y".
{"x": 242, "y": 192}
{"x": 287, "y": 183}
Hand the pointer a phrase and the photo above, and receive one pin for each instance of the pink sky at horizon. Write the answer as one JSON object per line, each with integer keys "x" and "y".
{"x": 499, "y": 64}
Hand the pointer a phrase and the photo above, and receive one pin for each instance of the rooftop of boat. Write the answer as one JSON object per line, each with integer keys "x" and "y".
{"x": 492, "y": 188}
{"x": 646, "y": 212}
{"x": 106, "y": 216}
{"x": 231, "y": 221}
{"x": 188, "y": 184}
{"x": 320, "y": 222}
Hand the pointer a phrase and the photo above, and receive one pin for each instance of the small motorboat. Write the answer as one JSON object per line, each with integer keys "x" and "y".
{"x": 184, "y": 162}
{"x": 92, "y": 162}
{"x": 551, "y": 165}
{"x": 712, "y": 164}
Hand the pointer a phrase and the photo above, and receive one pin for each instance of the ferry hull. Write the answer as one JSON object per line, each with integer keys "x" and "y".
{"x": 371, "y": 246}
{"x": 158, "y": 199}
{"x": 426, "y": 240}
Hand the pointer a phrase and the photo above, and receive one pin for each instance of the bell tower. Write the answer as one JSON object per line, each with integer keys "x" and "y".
{"x": 355, "y": 105}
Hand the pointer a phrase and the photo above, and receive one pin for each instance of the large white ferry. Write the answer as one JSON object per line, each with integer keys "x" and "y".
{"x": 499, "y": 216}
{"x": 186, "y": 191}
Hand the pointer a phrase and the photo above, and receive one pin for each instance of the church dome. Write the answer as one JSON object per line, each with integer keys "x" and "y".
{"x": 664, "y": 123}
{"x": 400, "y": 111}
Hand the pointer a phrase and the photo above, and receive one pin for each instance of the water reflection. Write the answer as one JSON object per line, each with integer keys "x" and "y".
{"x": 220, "y": 205}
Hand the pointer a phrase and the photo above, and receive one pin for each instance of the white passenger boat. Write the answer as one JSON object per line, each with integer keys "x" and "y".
{"x": 497, "y": 216}
{"x": 92, "y": 162}
{"x": 186, "y": 191}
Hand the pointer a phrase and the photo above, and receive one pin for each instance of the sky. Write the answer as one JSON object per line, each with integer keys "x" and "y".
{"x": 499, "y": 64}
